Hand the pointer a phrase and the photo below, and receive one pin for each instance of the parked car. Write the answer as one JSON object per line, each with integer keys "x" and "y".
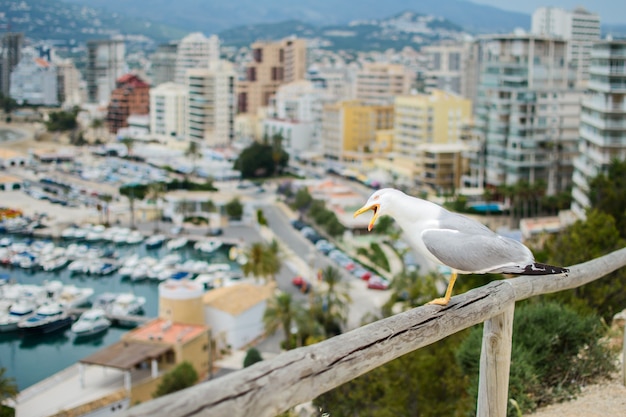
{"x": 377, "y": 283}
{"x": 298, "y": 224}
{"x": 361, "y": 273}
{"x": 324, "y": 246}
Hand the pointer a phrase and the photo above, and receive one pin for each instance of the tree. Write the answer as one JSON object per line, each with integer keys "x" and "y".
{"x": 133, "y": 191}
{"x": 8, "y": 386}
{"x": 263, "y": 260}
{"x": 106, "y": 201}
{"x": 252, "y": 356}
{"x": 234, "y": 209}
{"x": 182, "y": 376}
{"x": 608, "y": 193}
{"x": 129, "y": 143}
{"x": 154, "y": 193}
{"x": 333, "y": 303}
{"x": 258, "y": 161}
{"x": 193, "y": 152}
{"x": 555, "y": 351}
{"x": 280, "y": 313}
{"x": 60, "y": 121}
{"x": 583, "y": 241}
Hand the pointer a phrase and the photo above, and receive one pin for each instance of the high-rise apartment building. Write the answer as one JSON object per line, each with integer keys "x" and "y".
{"x": 68, "y": 82}
{"x": 105, "y": 64}
{"x": 444, "y": 66}
{"x": 195, "y": 51}
{"x": 427, "y": 143}
{"x": 379, "y": 83}
{"x": 349, "y": 131}
{"x": 211, "y": 104}
{"x": 603, "y": 119}
{"x": 163, "y": 63}
{"x": 10, "y": 53}
{"x": 130, "y": 97}
{"x": 527, "y": 112}
{"x": 273, "y": 64}
{"x": 34, "y": 80}
{"x": 168, "y": 110}
{"x": 579, "y": 27}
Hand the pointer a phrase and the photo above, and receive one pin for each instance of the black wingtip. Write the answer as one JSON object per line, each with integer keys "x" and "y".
{"x": 544, "y": 269}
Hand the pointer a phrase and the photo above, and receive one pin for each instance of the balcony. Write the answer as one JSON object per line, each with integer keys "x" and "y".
{"x": 604, "y": 107}
{"x": 603, "y": 140}
{"x": 603, "y": 123}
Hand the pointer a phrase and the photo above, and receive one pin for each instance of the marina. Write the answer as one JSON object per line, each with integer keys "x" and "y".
{"x": 97, "y": 269}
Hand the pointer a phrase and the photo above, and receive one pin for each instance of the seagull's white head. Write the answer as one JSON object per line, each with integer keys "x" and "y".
{"x": 381, "y": 203}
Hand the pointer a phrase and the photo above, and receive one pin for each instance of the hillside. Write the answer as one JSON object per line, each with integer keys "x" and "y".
{"x": 72, "y": 23}
{"x": 213, "y": 17}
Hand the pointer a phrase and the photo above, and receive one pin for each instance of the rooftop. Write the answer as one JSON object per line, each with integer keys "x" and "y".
{"x": 166, "y": 332}
{"x": 236, "y": 299}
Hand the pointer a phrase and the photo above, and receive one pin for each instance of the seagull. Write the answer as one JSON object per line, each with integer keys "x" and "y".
{"x": 453, "y": 240}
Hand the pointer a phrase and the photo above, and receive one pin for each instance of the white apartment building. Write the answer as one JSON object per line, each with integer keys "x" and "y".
{"x": 195, "y": 51}
{"x": 603, "y": 119}
{"x": 444, "y": 63}
{"x": 68, "y": 83}
{"x": 168, "y": 110}
{"x": 105, "y": 64}
{"x": 379, "y": 83}
{"x": 579, "y": 27}
{"x": 34, "y": 80}
{"x": 211, "y": 104}
{"x": 526, "y": 112}
{"x": 296, "y": 112}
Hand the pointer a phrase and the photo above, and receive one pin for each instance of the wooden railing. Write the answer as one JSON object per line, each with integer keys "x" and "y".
{"x": 300, "y": 375}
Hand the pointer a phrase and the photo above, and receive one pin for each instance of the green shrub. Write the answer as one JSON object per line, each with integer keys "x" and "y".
{"x": 182, "y": 376}
{"x": 555, "y": 351}
{"x": 252, "y": 356}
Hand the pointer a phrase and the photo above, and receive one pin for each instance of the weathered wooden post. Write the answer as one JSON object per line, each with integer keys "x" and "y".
{"x": 495, "y": 363}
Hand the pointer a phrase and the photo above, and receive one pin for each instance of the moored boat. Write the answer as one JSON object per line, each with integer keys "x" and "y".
{"x": 47, "y": 319}
{"x": 91, "y": 322}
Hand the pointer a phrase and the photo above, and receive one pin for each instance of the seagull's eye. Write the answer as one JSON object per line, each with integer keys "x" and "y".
{"x": 376, "y": 197}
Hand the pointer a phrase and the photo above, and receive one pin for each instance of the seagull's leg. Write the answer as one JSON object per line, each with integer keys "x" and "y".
{"x": 446, "y": 298}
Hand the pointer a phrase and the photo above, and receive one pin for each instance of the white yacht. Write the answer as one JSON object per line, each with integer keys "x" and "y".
{"x": 208, "y": 245}
{"x": 91, "y": 322}
{"x": 177, "y": 243}
{"x": 134, "y": 238}
{"x": 20, "y": 310}
{"x": 127, "y": 304}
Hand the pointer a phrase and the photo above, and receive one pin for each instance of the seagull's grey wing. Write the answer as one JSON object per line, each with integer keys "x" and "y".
{"x": 475, "y": 252}
{"x": 454, "y": 221}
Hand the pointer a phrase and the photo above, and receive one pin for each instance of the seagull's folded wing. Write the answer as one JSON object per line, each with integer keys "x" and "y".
{"x": 476, "y": 253}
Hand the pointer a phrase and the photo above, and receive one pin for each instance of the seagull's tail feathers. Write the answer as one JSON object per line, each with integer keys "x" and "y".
{"x": 543, "y": 269}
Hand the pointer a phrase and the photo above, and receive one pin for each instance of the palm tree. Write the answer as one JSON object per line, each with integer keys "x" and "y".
{"x": 280, "y": 313}
{"x": 263, "y": 260}
{"x": 129, "y": 143}
{"x": 155, "y": 192}
{"x": 333, "y": 304}
{"x": 106, "y": 199}
{"x": 194, "y": 152}
{"x": 8, "y": 387}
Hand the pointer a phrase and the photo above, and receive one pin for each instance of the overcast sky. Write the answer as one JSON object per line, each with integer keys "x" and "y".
{"x": 610, "y": 11}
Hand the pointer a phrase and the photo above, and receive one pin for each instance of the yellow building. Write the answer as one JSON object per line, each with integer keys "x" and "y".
{"x": 379, "y": 83}
{"x": 428, "y": 133}
{"x": 352, "y": 132}
{"x": 273, "y": 64}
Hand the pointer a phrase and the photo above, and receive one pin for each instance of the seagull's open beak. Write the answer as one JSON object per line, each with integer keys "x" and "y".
{"x": 375, "y": 208}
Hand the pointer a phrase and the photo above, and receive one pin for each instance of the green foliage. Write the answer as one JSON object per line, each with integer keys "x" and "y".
{"x": 252, "y": 356}
{"x": 264, "y": 260}
{"x": 187, "y": 184}
{"x": 302, "y": 199}
{"x": 197, "y": 220}
{"x": 6, "y": 411}
{"x": 234, "y": 209}
{"x": 423, "y": 383}
{"x": 608, "y": 194}
{"x": 134, "y": 191}
{"x": 555, "y": 351}
{"x": 60, "y": 121}
{"x": 384, "y": 225}
{"x": 8, "y": 386}
{"x": 260, "y": 217}
{"x": 325, "y": 218}
{"x": 584, "y": 241}
{"x": 280, "y": 313}
{"x": 261, "y": 160}
{"x": 7, "y": 103}
{"x": 182, "y": 376}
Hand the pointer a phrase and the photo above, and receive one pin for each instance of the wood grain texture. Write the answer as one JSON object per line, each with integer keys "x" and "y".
{"x": 300, "y": 375}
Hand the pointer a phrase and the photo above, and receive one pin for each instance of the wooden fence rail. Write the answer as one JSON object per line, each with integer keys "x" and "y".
{"x": 297, "y": 376}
